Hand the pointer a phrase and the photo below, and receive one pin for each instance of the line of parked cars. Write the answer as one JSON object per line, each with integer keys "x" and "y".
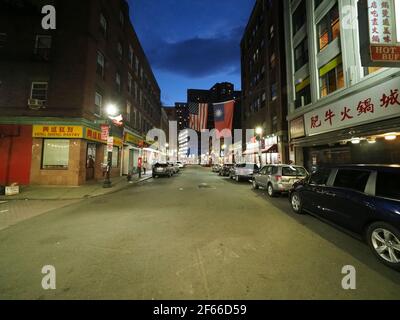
{"x": 167, "y": 169}
{"x": 361, "y": 199}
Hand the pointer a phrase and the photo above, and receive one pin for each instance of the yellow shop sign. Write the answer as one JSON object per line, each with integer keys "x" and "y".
{"x": 56, "y": 131}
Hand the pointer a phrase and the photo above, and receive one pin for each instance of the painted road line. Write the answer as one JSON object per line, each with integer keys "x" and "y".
{"x": 3, "y": 211}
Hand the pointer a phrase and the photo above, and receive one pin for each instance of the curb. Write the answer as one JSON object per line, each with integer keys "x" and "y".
{"x": 4, "y": 198}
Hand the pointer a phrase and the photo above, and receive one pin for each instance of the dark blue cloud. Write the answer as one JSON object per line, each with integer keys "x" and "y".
{"x": 191, "y": 43}
{"x": 199, "y": 57}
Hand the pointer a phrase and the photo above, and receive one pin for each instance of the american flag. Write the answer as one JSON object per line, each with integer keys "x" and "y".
{"x": 198, "y": 115}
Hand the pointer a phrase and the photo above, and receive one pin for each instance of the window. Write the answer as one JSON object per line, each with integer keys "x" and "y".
{"x": 100, "y": 64}
{"x": 299, "y": 17}
{"x": 3, "y": 39}
{"x": 272, "y": 60}
{"x": 303, "y": 93}
{"x": 43, "y": 46}
{"x": 274, "y": 94}
{"x": 293, "y": 171}
{"x": 320, "y": 178}
{"x": 331, "y": 77}
{"x": 39, "y": 91}
{"x": 129, "y": 83}
{"x": 271, "y": 32}
{"x": 369, "y": 70}
{"x": 352, "y": 179}
{"x": 55, "y": 154}
{"x": 131, "y": 56}
{"x": 301, "y": 54}
{"x": 128, "y": 111}
{"x": 120, "y": 50}
{"x": 328, "y": 28}
{"x": 136, "y": 65}
{"x": 118, "y": 81}
{"x": 136, "y": 90}
{"x": 98, "y": 104}
{"x": 134, "y": 118}
{"x": 103, "y": 25}
{"x": 387, "y": 185}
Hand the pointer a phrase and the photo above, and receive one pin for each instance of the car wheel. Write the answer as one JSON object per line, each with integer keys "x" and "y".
{"x": 384, "y": 240}
{"x": 255, "y": 185}
{"x": 271, "y": 191}
{"x": 297, "y": 204}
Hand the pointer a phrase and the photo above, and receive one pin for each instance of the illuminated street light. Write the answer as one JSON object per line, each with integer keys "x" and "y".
{"x": 111, "y": 109}
{"x": 259, "y": 131}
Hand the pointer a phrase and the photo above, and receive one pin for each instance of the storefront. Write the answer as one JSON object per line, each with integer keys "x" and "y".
{"x": 55, "y": 153}
{"x": 267, "y": 149}
{"x": 363, "y": 128}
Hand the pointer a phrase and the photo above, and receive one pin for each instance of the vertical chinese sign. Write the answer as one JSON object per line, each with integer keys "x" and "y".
{"x": 383, "y": 30}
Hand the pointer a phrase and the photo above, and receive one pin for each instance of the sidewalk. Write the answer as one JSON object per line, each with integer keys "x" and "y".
{"x": 93, "y": 189}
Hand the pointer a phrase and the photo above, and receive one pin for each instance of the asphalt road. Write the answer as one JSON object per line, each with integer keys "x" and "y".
{"x": 193, "y": 236}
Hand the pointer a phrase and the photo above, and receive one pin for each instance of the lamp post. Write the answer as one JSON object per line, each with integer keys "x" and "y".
{"x": 111, "y": 110}
{"x": 259, "y": 132}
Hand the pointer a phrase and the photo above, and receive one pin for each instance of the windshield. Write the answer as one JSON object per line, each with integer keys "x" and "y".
{"x": 293, "y": 171}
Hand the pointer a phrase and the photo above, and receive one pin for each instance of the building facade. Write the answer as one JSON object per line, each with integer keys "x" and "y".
{"x": 54, "y": 98}
{"x": 264, "y": 101}
{"x": 339, "y": 111}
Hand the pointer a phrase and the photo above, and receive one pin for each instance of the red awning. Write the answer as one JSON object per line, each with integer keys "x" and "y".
{"x": 271, "y": 149}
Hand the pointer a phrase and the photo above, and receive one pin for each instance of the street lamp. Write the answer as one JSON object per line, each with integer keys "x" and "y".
{"x": 259, "y": 132}
{"x": 111, "y": 110}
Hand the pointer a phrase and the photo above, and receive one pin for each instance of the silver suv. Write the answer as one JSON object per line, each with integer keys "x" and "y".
{"x": 243, "y": 171}
{"x": 278, "y": 178}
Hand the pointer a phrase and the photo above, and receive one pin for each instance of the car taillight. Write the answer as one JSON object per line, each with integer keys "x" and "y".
{"x": 278, "y": 178}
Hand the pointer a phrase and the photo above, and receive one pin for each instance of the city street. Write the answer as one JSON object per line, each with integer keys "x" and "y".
{"x": 193, "y": 236}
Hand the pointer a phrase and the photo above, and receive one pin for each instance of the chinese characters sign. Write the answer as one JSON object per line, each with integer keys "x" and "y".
{"x": 377, "y": 103}
{"x": 50, "y": 131}
{"x": 381, "y": 15}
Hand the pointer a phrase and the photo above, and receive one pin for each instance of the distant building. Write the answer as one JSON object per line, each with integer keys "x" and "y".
{"x": 264, "y": 82}
{"x": 182, "y": 115}
{"x": 220, "y": 92}
{"x": 55, "y": 87}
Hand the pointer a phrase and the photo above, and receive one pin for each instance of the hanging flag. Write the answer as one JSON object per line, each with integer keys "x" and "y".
{"x": 198, "y": 115}
{"x": 223, "y": 115}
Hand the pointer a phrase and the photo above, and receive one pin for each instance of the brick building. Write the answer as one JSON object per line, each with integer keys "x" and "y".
{"x": 264, "y": 96}
{"x": 55, "y": 86}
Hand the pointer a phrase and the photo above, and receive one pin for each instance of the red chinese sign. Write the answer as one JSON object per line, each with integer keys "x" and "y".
{"x": 381, "y": 21}
{"x": 379, "y": 102}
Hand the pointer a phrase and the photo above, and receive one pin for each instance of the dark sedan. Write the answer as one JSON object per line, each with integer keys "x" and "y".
{"x": 225, "y": 170}
{"x": 364, "y": 199}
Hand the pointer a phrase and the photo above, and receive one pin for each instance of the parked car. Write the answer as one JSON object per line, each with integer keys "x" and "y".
{"x": 225, "y": 170}
{"x": 243, "y": 171}
{"x": 174, "y": 166}
{"x": 162, "y": 169}
{"x": 278, "y": 178}
{"x": 364, "y": 199}
{"x": 181, "y": 165}
{"x": 216, "y": 168}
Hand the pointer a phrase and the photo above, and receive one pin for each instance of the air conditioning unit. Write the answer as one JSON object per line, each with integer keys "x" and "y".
{"x": 35, "y": 104}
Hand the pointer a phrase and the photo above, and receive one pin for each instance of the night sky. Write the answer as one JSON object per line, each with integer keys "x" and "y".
{"x": 191, "y": 43}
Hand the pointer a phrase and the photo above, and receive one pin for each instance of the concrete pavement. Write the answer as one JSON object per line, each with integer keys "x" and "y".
{"x": 193, "y": 236}
{"x": 89, "y": 190}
